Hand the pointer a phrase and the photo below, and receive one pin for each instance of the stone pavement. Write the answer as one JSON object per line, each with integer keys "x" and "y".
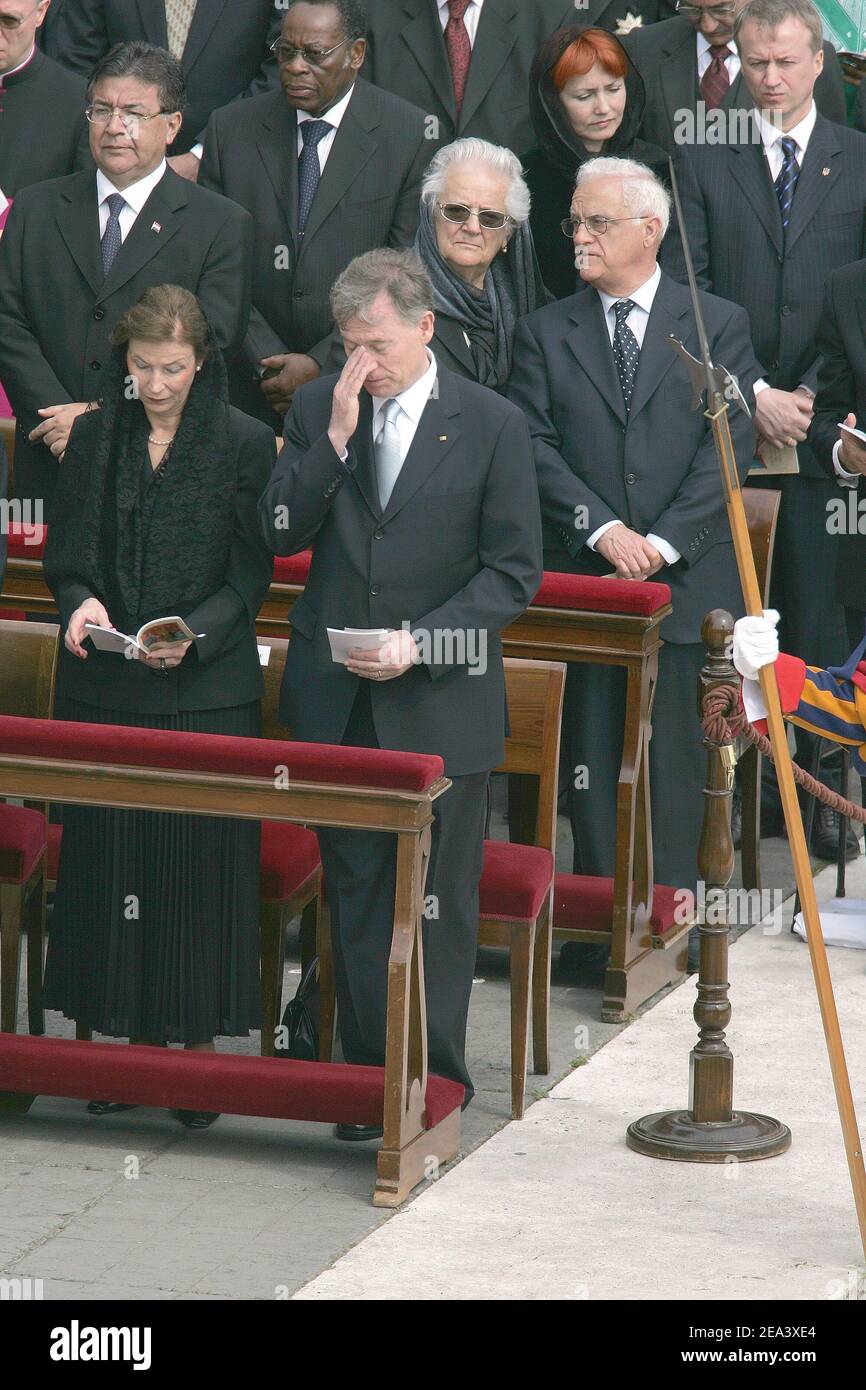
{"x": 557, "y": 1207}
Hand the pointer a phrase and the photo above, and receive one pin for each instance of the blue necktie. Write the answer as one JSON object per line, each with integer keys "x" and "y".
{"x": 786, "y": 183}
{"x": 111, "y": 238}
{"x": 309, "y": 172}
{"x": 626, "y": 353}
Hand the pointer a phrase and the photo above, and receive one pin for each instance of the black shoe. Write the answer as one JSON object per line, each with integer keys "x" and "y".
{"x": 107, "y": 1107}
{"x": 196, "y": 1119}
{"x": 825, "y": 836}
{"x": 357, "y": 1133}
{"x": 737, "y": 818}
{"x": 584, "y": 959}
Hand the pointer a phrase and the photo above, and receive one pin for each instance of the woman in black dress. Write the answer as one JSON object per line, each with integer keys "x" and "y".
{"x": 155, "y": 930}
{"x": 586, "y": 98}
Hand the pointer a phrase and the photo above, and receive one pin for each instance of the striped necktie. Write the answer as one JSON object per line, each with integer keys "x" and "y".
{"x": 786, "y": 183}
{"x": 178, "y": 20}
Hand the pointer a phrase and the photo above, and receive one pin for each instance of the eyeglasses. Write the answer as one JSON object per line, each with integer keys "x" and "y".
{"x": 313, "y": 57}
{"x": 10, "y": 24}
{"x": 101, "y": 115}
{"x": 714, "y": 11}
{"x": 488, "y": 218}
{"x": 596, "y": 224}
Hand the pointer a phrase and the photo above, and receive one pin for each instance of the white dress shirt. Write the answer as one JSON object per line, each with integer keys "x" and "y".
{"x": 333, "y": 116}
{"x": 771, "y": 139}
{"x": 135, "y": 197}
{"x": 470, "y": 19}
{"x": 732, "y": 62}
{"x": 637, "y": 321}
{"x": 412, "y": 402}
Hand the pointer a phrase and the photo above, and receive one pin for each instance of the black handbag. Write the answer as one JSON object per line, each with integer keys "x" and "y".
{"x": 299, "y": 1036}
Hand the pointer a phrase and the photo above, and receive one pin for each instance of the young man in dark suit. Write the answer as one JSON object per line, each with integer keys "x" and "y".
{"x": 416, "y": 490}
{"x": 629, "y": 484}
{"x": 44, "y": 133}
{"x": 329, "y": 167}
{"x": 691, "y": 63}
{"x": 77, "y": 252}
{"x": 768, "y": 217}
{"x": 223, "y": 47}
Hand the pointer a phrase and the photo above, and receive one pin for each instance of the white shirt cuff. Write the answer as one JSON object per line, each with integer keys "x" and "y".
{"x": 845, "y": 478}
{"x": 760, "y": 385}
{"x": 753, "y": 700}
{"x": 197, "y": 150}
{"x": 664, "y": 548}
{"x": 597, "y": 535}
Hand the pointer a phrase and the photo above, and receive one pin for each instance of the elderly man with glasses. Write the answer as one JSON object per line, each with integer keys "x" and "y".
{"x": 78, "y": 251}
{"x": 629, "y": 487}
{"x": 691, "y": 65}
{"x": 329, "y": 167}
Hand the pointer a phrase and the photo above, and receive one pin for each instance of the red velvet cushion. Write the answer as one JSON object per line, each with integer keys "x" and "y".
{"x": 586, "y": 904}
{"x": 27, "y": 542}
{"x": 55, "y": 836}
{"x": 217, "y": 1081}
{"x": 293, "y": 569}
{"x": 22, "y": 840}
{"x": 290, "y": 855}
{"x": 13, "y": 615}
{"x": 250, "y": 757}
{"x": 514, "y": 881}
{"x": 585, "y": 591}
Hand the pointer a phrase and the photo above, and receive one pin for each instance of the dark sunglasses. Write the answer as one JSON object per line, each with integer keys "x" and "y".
{"x": 489, "y": 218}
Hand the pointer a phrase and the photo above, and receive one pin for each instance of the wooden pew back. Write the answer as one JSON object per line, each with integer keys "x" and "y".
{"x": 28, "y": 665}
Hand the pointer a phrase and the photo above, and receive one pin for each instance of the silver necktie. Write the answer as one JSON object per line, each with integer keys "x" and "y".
{"x": 389, "y": 459}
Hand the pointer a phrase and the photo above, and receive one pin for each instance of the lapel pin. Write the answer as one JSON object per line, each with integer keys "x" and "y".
{"x": 156, "y": 226}
{"x": 825, "y": 172}
{"x": 443, "y": 439}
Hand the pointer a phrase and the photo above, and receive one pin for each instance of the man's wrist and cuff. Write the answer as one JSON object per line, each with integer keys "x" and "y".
{"x": 664, "y": 548}
{"x": 845, "y": 478}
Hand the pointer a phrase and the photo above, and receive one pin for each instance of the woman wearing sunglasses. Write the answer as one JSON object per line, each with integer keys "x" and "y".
{"x": 475, "y": 242}
{"x": 586, "y": 98}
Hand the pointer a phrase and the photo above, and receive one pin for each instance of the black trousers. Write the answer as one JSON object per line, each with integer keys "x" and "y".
{"x": 360, "y": 875}
{"x": 592, "y": 729}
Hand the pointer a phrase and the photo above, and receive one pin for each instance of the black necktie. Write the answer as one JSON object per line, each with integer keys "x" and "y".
{"x": 786, "y": 183}
{"x": 309, "y": 172}
{"x": 626, "y": 353}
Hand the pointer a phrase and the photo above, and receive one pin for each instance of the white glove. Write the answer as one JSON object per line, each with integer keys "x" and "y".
{"x": 756, "y": 643}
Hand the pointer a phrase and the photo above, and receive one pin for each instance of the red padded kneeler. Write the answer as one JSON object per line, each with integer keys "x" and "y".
{"x": 327, "y": 1092}
{"x": 293, "y": 569}
{"x": 27, "y": 542}
{"x": 585, "y": 903}
{"x": 588, "y": 593}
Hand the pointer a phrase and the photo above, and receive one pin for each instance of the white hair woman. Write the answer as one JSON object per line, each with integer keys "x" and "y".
{"x": 475, "y": 242}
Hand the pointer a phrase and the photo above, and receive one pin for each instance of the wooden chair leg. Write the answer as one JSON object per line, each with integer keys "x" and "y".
{"x": 520, "y": 962}
{"x": 309, "y": 930}
{"x": 272, "y": 923}
{"x": 541, "y": 993}
{"x": 327, "y": 981}
{"x": 11, "y": 896}
{"x": 35, "y": 952}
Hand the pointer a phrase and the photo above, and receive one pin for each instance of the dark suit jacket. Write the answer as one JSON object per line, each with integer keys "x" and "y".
{"x": 4, "y": 486}
{"x": 45, "y": 134}
{"x": 368, "y": 196}
{"x": 735, "y": 232}
{"x": 57, "y": 311}
{"x": 655, "y": 470}
{"x": 666, "y": 56}
{"x": 226, "y": 54}
{"x": 842, "y": 388}
{"x": 456, "y": 553}
{"x": 222, "y": 668}
{"x": 406, "y": 54}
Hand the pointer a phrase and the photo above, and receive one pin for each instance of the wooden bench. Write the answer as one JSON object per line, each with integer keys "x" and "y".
{"x": 206, "y": 774}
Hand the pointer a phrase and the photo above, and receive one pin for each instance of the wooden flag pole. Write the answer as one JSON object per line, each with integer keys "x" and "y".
{"x": 720, "y": 389}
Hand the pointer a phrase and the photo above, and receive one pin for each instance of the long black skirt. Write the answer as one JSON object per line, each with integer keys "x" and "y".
{"x": 155, "y": 928}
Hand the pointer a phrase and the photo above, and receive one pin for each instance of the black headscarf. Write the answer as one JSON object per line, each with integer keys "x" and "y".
{"x": 96, "y": 533}
{"x": 512, "y": 287}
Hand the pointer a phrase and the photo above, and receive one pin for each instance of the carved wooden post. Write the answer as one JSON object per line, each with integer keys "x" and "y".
{"x": 711, "y": 1129}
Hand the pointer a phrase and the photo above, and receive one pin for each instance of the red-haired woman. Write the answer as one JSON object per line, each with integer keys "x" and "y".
{"x": 586, "y": 98}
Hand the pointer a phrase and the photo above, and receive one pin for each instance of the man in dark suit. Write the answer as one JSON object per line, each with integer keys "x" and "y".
{"x": 768, "y": 217}
{"x": 43, "y": 133}
{"x": 316, "y": 202}
{"x": 841, "y": 397}
{"x": 629, "y": 484}
{"x": 416, "y": 490}
{"x": 222, "y": 46}
{"x": 77, "y": 252}
{"x": 691, "y": 70}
